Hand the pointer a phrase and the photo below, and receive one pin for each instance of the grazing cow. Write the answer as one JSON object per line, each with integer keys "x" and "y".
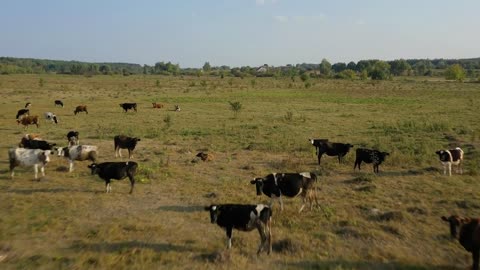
{"x": 369, "y": 156}
{"x": 129, "y": 106}
{"x": 72, "y": 137}
{"x": 78, "y": 152}
{"x": 124, "y": 142}
{"x": 28, "y": 157}
{"x": 22, "y": 113}
{"x": 449, "y": 158}
{"x": 287, "y": 184}
{"x": 51, "y": 117}
{"x": 323, "y": 146}
{"x": 177, "y": 108}
{"x": 157, "y": 105}
{"x": 80, "y": 108}
{"x": 467, "y": 231}
{"x": 28, "y": 137}
{"x": 28, "y": 120}
{"x": 59, "y": 103}
{"x": 27, "y": 105}
{"x": 244, "y": 217}
{"x": 115, "y": 170}
{"x": 205, "y": 156}
{"x": 37, "y": 144}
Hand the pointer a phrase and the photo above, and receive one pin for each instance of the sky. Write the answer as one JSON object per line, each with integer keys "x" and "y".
{"x": 239, "y": 32}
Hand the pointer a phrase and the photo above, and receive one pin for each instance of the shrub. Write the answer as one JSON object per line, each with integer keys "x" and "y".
{"x": 236, "y": 107}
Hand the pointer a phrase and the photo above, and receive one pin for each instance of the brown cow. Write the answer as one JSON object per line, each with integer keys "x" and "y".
{"x": 467, "y": 231}
{"x": 28, "y": 120}
{"x": 205, "y": 156}
{"x": 80, "y": 108}
{"x": 157, "y": 105}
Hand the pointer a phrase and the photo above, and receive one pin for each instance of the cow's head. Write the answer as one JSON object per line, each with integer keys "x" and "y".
{"x": 440, "y": 152}
{"x": 121, "y": 104}
{"x": 214, "y": 212}
{"x": 349, "y": 145}
{"x": 258, "y": 182}
{"x": 455, "y": 223}
{"x": 61, "y": 151}
{"x": 94, "y": 168}
{"x": 44, "y": 156}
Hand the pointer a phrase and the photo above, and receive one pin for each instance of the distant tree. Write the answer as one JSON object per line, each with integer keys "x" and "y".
{"x": 423, "y": 67}
{"x": 399, "y": 67}
{"x": 206, "y": 67}
{"x": 352, "y": 66}
{"x": 346, "y": 74}
{"x": 105, "y": 69}
{"x": 339, "y": 67}
{"x": 455, "y": 72}
{"x": 304, "y": 76}
{"x": 380, "y": 71}
{"x": 363, "y": 65}
{"x": 325, "y": 67}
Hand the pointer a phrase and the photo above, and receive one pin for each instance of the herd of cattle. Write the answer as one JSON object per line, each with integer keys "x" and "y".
{"x": 33, "y": 151}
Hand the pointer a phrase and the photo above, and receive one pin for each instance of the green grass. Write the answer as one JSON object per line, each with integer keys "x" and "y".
{"x": 385, "y": 221}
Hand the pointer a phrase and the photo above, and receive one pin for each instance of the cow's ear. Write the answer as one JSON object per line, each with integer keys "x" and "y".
{"x": 444, "y": 218}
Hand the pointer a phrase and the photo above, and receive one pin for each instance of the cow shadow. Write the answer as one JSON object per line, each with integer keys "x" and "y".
{"x": 43, "y": 190}
{"x": 181, "y": 208}
{"x": 364, "y": 265}
{"x": 119, "y": 246}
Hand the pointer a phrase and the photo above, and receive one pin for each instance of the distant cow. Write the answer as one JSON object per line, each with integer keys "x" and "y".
{"x": 22, "y": 112}
{"x": 177, "y": 108}
{"x": 78, "y": 152}
{"x": 124, "y": 142}
{"x": 467, "y": 231}
{"x": 276, "y": 185}
{"x": 323, "y": 146}
{"x": 115, "y": 170}
{"x": 449, "y": 158}
{"x": 51, "y": 117}
{"x": 369, "y": 156}
{"x": 72, "y": 137}
{"x": 59, "y": 103}
{"x": 28, "y": 157}
{"x": 205, "y": 156}
{"x": 27, "y": 105}
{"x": 37, "y": 144}
{"x": 157, "y": 105}
{"x": 28, "y": 120}
{"x": 28, "y": 137}
{"x": 244, "y": 217}
{"x": 129, "y": 106}
{"x": 80, "y": 108}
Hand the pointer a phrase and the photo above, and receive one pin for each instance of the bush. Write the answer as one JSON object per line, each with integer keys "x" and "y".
{"x": 455, "y": 72}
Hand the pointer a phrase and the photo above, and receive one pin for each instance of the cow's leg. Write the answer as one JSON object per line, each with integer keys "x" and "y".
{"x": 132, "y": 182}
{"x": 42, "y": 169}
{"x": 475, "y": 257}
{"x": 35, "y": 168}
{"x": 281, "y": 202}
{"x": 449, "y": 168}
{"x": 319, "y": 156}
{"x": 263, "y": 236}
{"x": 70, "y": 165}
{"x": 130, "y": 155}
{"x": 229, "y": 236}
{"x": 107, "y": 186}
{"x": 12, "y": 166}
{"x": 269, "y": 229}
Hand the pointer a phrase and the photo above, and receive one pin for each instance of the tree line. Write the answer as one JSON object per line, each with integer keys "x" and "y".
{"x": 457, "y": 69}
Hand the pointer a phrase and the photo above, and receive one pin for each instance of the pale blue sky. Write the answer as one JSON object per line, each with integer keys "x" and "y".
{"x": 239, "y": 32}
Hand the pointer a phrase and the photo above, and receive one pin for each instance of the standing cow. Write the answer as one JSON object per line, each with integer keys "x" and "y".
{"x": 78, "y": 152}
{"x": 28, "y": 157}
{"x": 449, "y": 158}
{"x": 115, "y": 170}
{"x": 369, "y": 156}
{"x": 467, "y": 231}
{"x": 129, "y": 106}
{"x": 323, "y": 146}
{"x": 80, "y": 108}
{"x": 124, "y": 142}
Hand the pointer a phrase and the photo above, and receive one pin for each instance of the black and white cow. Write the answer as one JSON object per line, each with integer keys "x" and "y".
{"x": 78, "y": 152}
{"x": 27, "y": 158}
{"x": 369, "y": 156}
{"x": 467, "y": 231}
{"x": 22, "y": 112}
{"x": 124, "y": 142}
{"x": 276, "y": 185}
{"x": 72, "y": 137}
{"x": 244, "y": 217}
{"x": 49, "y": 116}
{"x": 115, "y": 170}
{"x": 27, "y": 105}
{"x": 59, "y": 103}
{"x": 37, "y": 144}
{"x": 323, "y": 146}
{"x": 129, "y": 106}
{"x": 449, "y": 158}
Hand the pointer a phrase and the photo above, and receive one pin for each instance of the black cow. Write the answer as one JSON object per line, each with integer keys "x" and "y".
{"x": 467, "y": 231}
{"x": 323, "y": 146}
{"x": 72, "y": 137}
{"x": 22, "y": 112}
{"x": 449, "y": 157}
{"x": 369, "y": 156}
{"x": 244, "y": 217}
{"x": 38, "y": 144}
{"x": 287, "y": 184}
{"x": 115, "y": 170}
{"x": 59, "y": 103}
{"x": 129, "y": 106}
{"x": 124, "y": 142}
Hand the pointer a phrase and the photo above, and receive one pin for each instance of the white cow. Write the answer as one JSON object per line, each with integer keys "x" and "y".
{"x": 78, "y": 152}
{"x": 28, "y": 157}
{"x": 51, "y": 117}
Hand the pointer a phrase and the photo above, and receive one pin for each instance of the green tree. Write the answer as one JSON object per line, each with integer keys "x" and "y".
{"x": 423, "y": 67}
{"x": 380, "y": 71}
{"x": 455, "y": 72}
{"x": 206, "y": 67}
{"x": 325, "y": 67}
{"x": 339, "y": 67}
{"x": 399, "y": 67}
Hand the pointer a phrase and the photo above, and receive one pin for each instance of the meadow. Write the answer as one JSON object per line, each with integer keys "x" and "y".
{"x": 367, "y": 221}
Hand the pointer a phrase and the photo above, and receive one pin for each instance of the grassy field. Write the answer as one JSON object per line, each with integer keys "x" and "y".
{"x": 385, "y": 221}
